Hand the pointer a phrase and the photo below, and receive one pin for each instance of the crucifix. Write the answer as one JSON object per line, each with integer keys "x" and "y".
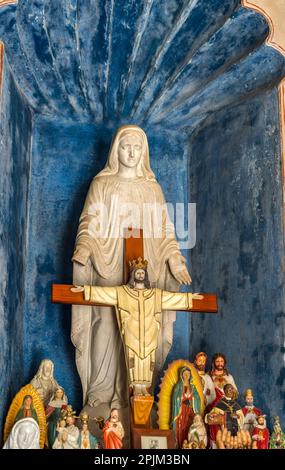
{"x": 138, "y": 309}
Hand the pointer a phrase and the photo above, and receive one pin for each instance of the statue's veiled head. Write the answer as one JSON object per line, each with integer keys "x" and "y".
{"x": 185, "y": 374}
{"x": 46, "y": 369}
{"x": 24, "y": 435}
{"x": 129, "y": 148}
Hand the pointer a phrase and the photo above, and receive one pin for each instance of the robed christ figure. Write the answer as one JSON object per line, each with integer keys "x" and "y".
{"x": 126, "y": 184}
{"x": 139, "y": 311}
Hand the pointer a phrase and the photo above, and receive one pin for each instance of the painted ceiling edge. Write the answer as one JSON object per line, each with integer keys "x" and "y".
{"x": 272, "y": 11}
{"x": 3, "y": 3}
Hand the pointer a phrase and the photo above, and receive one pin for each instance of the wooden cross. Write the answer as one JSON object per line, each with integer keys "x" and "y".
{"x": 133, "y": 249}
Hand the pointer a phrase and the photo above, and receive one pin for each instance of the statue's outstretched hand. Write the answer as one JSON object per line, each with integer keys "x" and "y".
{"x": 77, "y": 289}
{"x": 178, "y": 269}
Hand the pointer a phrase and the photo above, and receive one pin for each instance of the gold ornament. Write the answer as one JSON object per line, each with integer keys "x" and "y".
{"x": 84, "y": 418}
{"x": 68, "y": 412}
{"x": 138, "y": 263}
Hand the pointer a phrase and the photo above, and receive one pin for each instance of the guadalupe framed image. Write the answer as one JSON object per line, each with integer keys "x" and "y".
{"x": 152, "y": 439}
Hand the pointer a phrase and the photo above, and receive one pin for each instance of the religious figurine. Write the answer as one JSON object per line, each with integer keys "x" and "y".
{"x": 25, "y": 434}
{"x": 26, "y": 404}
{"x": 277, "y": 438}
{"x": 127, "y": 180}
{"x": 139, "y": 309}
{"x": 227, "y": 413}
{"x": 207, "y": 382}
{"x": 113, "y": 431}
{"x": 220, "y": 375}
{"x": 44, "y": 381}
{"x": 60, "y": 430}
{"x": 27, "y": 409}
{"x": 185, "y": 403}
{"x": 260, "y": 434}
{"x": 68, "y": 436}
{"x": 53, "y": 414}
{"x": 86, "y": 440}
{"x": 197, "y": 433}
{"x": 169, "y": 383}
{"x": 250, "y": 412}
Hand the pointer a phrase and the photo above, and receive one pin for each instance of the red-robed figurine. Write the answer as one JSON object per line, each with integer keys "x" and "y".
{"x": 113, "y": 431}
{"x": 250, "y": 412}
{"x": 260, "y": 434}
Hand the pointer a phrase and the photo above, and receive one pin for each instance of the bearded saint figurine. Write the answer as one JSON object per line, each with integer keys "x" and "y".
{"x": 113, "y": 431}
{"x": 126, "y": 181}
{"x": 260, "y": 434}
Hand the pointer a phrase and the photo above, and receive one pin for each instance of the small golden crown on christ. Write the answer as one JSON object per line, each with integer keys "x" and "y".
{"x": 138, "y": 263}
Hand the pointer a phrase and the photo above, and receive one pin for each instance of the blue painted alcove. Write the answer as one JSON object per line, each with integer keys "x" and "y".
{"x": 198, "y": 77}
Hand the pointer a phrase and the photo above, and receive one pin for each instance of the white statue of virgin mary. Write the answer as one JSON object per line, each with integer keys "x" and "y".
{"x": 123, "y": 194}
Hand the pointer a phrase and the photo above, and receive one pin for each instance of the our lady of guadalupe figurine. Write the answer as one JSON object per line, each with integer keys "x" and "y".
{"x": 186, "y": 403}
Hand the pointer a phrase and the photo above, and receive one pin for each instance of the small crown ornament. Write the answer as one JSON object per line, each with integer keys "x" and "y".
{"x": 84, "y": 418}
{"x": 138, "y": 264}
{"x": 67, "y": 412}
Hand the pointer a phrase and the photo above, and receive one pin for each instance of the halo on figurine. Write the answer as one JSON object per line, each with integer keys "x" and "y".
{"x": 168, "y": 382}
{"x": 16, "y": 411}
{"x": 68, "y": 412}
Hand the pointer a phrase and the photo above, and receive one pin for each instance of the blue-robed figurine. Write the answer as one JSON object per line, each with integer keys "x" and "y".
{"x": 186, "y": 402}
{"x": 57, "y": 404}
{"x": 86, "y": 440}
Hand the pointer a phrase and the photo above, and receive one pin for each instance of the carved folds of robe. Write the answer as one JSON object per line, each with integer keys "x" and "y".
{"x": 95, "y": 333}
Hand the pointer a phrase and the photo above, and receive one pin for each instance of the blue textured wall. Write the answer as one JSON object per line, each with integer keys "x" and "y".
{"x": 199, "y": 79}
{"x": 15, "y": 135}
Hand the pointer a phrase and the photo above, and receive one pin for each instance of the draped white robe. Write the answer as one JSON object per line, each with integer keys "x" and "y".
{"x": 95, "y": 333}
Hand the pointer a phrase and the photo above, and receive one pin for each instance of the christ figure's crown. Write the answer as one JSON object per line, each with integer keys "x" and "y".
{"x": 138, "y": 264}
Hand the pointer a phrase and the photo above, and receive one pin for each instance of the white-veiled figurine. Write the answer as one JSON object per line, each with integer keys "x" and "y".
{"x": 197, "y": 434}
{"x": 44, "y": 381}
{"x": 25, "y": 434}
